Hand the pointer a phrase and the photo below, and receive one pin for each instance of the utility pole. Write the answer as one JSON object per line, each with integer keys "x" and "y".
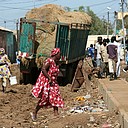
{"x": 115, "y": 17}
{"x": 108, "y": 22}
{"x": 122, "y": 11}
{"x": 34, "y": 3}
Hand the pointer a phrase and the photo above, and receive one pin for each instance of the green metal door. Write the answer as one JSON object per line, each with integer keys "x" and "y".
{"x": 62, "y": 40}
{"x": 27, "y": 36}
{"x": 78, "y": 41}
{"x": 72, "y": 40}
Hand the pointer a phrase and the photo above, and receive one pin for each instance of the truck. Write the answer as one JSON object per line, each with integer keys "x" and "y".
{"x": 70, "y": 38}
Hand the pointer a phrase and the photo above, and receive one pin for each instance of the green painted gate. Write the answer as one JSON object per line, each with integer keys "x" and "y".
{"x": 27, "y": 37}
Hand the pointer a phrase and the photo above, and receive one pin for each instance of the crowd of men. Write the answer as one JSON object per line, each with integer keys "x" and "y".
{"x": 106, "y": 57}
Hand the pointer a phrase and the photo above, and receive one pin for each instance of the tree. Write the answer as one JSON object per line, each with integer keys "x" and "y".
{"x": 67, "y": 9}
{"x": 98, "y": 27}
{"x": 81, "y": 9}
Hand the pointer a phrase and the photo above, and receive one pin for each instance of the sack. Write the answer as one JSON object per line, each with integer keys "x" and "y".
{"x": 13, "y": 80}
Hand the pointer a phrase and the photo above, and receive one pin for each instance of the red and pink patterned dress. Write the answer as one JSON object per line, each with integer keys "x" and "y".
{"x": 49, "y": 94}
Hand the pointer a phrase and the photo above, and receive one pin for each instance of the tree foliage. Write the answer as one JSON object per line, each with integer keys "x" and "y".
{"x": 67, "y": 9}
{"x": 81, "y": 9}
{"x": 98, "y": 26}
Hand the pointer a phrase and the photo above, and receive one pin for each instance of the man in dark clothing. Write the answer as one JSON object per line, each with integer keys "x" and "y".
{"x": 112, "y": 58}
{"x": 91, "y": 51}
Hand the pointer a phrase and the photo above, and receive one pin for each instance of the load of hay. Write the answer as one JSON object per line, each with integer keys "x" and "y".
{"x": 45, "y": 32}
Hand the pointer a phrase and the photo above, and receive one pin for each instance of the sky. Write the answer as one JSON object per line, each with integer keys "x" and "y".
{"x": 12, "y": 10}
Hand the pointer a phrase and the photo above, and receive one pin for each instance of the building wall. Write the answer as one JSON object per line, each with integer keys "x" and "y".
{"x": 93, "y": 38}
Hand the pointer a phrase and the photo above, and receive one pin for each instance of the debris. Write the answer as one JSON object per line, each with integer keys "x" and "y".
{"x": 92, "y": 120}
{"x": 106, "y": 126}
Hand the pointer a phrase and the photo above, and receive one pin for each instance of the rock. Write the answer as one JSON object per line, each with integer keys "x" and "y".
{"x": 95, "y": 124}
{"x": 104, "y": 117}
{"x": 88, "y": 124}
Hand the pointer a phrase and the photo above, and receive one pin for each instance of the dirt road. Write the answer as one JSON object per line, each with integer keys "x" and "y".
{"x": 88, "y": 112}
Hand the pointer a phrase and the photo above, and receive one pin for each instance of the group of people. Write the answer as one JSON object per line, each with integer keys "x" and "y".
{"x": 106, "y": 56}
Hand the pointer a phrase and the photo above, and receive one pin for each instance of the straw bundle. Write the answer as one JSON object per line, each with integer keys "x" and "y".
{"x": 46, "y": 32}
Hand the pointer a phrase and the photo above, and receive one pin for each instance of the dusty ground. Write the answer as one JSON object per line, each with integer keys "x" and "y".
{"x": 88, "y": 112}
{"x": 17, "y": 103}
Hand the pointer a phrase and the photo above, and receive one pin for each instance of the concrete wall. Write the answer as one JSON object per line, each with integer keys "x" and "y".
{"x": 93, "y": 38}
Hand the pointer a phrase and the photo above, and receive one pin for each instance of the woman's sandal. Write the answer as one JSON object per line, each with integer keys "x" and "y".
{"x": 33, "y": 116}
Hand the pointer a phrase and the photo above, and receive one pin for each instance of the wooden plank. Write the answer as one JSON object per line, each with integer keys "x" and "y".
{"x": 78, "y": 77}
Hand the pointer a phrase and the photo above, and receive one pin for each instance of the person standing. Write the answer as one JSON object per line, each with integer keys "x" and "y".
{"x": 4, "y": 68}
{"x": 104, "y": 56}
{"x": 46, "y": 87}
{"x": 125, "y": 69}
{"x": 112, "y": 57}
{"x": 91, "y": 54}
{"x": 118, "y": 43}
{"x": 97, "y": 56}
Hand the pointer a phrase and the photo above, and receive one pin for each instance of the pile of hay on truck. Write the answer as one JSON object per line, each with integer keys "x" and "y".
{"x": 45, "y": 32}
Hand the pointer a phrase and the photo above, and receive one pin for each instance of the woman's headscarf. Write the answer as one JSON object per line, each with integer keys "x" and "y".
{"x": 55, "y": 51}
{"x": 2, "y": 51}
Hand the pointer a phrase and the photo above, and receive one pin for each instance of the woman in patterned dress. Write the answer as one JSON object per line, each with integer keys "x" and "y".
{"x": 4, "y": 68}
{"x": 46, "y": 87}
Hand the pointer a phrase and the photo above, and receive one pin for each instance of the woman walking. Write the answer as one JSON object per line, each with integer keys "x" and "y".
{"x": 4, "y": 68}
{"x": 46, "y": 87}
